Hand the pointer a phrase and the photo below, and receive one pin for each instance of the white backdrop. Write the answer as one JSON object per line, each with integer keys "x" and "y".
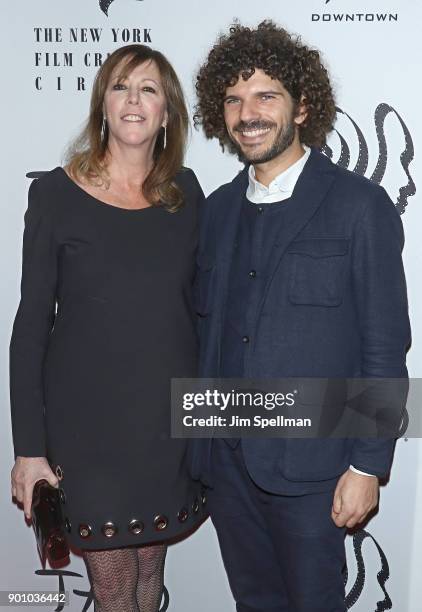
{"x": 372, "y": 48}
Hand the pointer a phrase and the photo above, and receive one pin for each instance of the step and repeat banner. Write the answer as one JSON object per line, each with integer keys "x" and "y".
{"x": 50, "y": 51}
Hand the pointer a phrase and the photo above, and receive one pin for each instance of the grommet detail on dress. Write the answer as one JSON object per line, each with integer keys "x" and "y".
{"x": 203, "y": 498}
{"x": 183, "y": 514}
{"x": 62, "y": 496}
{"x": 160, "y": 522}
{"x": 68, "y": 525}
{"x": 85, "y": 530}
{"x": 109, "y": 529}
{"x": 136, "y": 527}
{"x": 59, "y": 472}
{"x": 195, "y": 505}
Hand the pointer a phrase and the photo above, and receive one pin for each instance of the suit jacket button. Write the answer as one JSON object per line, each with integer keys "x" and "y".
{"x": 195, "y": 505}
{"x": 245, "y": 339}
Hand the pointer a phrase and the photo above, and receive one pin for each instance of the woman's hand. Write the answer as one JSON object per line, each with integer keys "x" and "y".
{"x": 25, "y": 473}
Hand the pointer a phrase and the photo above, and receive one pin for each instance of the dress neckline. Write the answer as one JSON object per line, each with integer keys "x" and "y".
{"x": 101, "y": 202}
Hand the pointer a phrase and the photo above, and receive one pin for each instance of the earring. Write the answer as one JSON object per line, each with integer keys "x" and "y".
{"x": 103, "y": 128}
{"x": 165, "y": 136}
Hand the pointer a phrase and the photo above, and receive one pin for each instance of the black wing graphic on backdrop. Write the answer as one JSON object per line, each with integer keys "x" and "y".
{"x": 104, "y": 6}
{"x": 406, "y": 156}
{"x": 382, "y": 576}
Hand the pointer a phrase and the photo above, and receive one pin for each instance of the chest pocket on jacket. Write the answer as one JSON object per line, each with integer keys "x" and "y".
{"x": 318, "y": 267}
{"x": 203, "y": 284}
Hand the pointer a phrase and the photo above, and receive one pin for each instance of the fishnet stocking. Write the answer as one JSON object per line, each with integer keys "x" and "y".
{"x": 114, "y": 576}
{"x": 127, "y": 579}
{"x": 151, "y": 577}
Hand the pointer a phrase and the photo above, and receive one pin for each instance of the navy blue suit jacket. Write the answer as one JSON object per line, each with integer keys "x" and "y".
{"x": 334, "y": 305}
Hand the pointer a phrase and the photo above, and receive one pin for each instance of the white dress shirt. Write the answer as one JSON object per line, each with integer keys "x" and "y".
{"x": 281, "y": 188}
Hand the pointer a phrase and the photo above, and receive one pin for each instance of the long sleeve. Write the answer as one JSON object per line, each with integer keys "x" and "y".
{"x": 381, "y": 300}
{"x": 32, "y": 327}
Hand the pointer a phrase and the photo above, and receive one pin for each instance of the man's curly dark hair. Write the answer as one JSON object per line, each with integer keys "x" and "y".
{"x": 281, "y": 56}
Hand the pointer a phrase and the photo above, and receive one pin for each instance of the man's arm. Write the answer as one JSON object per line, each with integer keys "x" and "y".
{"x": 381, "y": 302}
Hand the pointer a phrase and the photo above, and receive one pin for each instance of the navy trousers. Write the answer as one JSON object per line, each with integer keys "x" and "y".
{"x": 281, "y": 553}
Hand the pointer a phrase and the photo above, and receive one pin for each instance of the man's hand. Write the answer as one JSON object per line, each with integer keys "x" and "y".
{"x": 25, "y": 473}
{"x": 355, "y": 496}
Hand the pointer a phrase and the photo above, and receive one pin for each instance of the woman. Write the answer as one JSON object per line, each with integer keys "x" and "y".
{"x": 110, "y": 240}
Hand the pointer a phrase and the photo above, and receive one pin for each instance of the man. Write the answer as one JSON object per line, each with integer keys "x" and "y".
{"x": 300, "y": 275}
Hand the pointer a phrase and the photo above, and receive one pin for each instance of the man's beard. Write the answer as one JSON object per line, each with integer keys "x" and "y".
{"x": 284, "y": 138}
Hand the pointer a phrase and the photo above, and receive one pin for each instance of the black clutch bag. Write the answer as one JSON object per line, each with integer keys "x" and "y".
{"x": 47, "y": 521}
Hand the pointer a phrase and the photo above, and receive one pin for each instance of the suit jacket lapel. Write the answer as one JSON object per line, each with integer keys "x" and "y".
{"x": 226, "y": 237}
{"x": 309, "y": 193}
{"x": 230, "y": 220}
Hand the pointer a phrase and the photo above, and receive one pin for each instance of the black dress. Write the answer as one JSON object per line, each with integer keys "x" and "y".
{"x": 105, "y": 321}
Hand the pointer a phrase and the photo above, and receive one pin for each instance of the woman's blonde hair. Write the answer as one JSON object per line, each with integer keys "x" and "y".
{"x": 86, "y": 157}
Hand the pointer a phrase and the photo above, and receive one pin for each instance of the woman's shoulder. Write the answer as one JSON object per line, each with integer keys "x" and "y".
{"x": 44, "y": 189}
{"x": 187, "y": 180}
{"x": 46, "y": 183}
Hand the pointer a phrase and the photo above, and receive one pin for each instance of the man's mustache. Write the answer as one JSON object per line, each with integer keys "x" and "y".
{"x": 244, "y": 126}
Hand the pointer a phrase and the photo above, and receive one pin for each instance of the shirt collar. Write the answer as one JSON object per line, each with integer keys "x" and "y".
{"x": 281, "y": 187}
